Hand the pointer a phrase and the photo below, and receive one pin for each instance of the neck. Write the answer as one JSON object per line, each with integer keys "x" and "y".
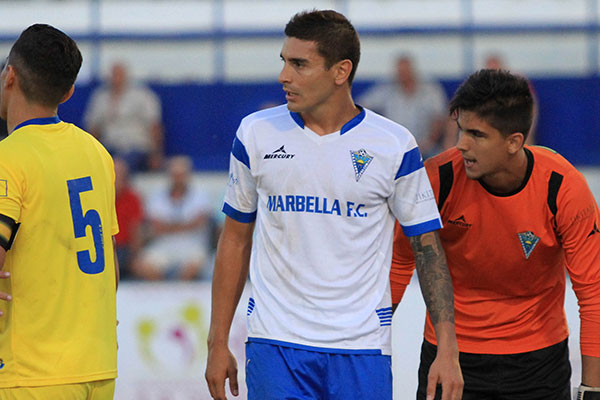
{"x": 331, "y": 116}
{"x": 512, "y": 177}
{"x": 20, "y": 110}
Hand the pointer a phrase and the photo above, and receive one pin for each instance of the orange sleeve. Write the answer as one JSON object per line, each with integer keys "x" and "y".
{"x": 403, "y": 260}
{"x": 403, "y": 265}
{"x": 578, "y": 223}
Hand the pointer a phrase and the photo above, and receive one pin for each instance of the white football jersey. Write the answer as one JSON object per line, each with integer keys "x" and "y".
{"x": 324, "y": 208}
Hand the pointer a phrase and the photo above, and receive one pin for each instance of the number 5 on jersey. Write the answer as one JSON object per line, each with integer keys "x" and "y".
{"x": 81, "y": 221}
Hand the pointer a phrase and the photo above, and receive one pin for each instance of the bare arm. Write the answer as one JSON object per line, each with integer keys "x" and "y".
{"x": 590, "y": 371}
{"x": 231, "y": 272}
{"x": 436, "y": 287}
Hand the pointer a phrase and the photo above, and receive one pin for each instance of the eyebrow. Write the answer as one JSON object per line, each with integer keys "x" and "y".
{"x": 294, "y": 59}
{"x": 469, "y": 130}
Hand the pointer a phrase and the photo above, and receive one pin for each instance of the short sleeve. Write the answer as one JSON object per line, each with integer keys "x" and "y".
{"x": 11, "y": 187}
{"x": 578, "y": 222}
{"x": 412, "y": 202}
{"x": 241, "y": 196}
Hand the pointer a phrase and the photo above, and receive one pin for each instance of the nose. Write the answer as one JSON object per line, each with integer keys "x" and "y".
{"x": 463, "y": 142}
{"x": 284, "y": 75}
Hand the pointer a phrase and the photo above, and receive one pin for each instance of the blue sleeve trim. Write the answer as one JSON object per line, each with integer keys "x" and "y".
{"x": 411, "y": 162}
{"x": 314, "y": 348}
{"x": 238, "y": 215}
{"x": 423, "y": 227}
{"x": 239, "y": 152}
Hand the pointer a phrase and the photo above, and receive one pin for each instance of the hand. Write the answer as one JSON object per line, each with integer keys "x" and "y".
{"x": 4, "y": 296}
{"x": 445, "y": 370}
{"x": 221, "y": 365}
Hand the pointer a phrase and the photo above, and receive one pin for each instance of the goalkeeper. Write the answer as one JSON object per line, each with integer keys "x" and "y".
{"x": 515, "y": 217}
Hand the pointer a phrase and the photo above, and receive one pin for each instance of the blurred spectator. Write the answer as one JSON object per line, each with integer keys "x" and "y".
{"x": 127, "y": 119}
{"x": 418, "y": 105}
{"x": 130, "y": 216}
{"x": 181, "y": 225}
{"x": 495, "y": 61}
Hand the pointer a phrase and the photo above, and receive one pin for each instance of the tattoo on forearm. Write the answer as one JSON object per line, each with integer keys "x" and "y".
{"x": 434, "y": 277}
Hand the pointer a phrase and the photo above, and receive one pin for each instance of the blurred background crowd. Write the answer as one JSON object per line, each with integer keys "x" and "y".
{"x": 165, "y": 84}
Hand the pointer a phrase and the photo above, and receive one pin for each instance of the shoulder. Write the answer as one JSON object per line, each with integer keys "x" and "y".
{"x": 268, "y": 114}
{"x": 451, "y": 156}
{"x": 389, "y": 129}
{"x": 268, "y": 120}
{"x": 12, "y": 149}
{"x": 546, "y": 160}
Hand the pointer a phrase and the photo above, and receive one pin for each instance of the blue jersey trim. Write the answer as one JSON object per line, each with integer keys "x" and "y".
{"x": 238, "y": 215}
{"x": 347, "y": 126}
{"x": 354, "y": 121}
{"x": 39, "y": 121}
{"x": 251, "y": 305}
{"x": 297, "y": 119}
{"x": 314, "y": 348}
{"x": 239, "y": 152}
{"x": 411, "y": 162}
{"x": 385, "y": 316}
{"x": 423, "y": 227}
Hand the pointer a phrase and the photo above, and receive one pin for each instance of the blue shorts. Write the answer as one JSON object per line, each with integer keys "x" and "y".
{"x": 275, "y": 372}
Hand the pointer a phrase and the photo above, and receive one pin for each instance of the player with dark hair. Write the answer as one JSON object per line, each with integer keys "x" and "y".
{"x": 57, "y": 219}
{"x": 514, "y": 218}
{"x": 319, "y": 183}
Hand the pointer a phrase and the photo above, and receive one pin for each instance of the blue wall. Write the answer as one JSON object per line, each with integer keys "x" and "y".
{"x": 201, "y": 119}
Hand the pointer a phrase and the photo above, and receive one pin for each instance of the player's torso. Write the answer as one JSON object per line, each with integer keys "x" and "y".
{"x": 323, "y": 233}
{"x": 337, "y": 176}
{"x": 502, "y": 244}
{"x": 61, "y": 263}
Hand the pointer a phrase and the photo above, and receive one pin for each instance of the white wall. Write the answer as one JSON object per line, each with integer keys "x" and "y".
{"x": 191, "y": 53}
{"x": 163, "y": 330}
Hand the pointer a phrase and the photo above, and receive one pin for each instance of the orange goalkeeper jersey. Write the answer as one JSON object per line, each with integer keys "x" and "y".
{"x": 507, "y": 255}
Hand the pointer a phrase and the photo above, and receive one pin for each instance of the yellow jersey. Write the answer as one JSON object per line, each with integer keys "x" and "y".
{"x": 57, "y": 181}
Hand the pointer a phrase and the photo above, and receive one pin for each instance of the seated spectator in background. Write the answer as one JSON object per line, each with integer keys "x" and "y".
{"x": 127, "y": 119}
{"x": 495, "y": 61}
{"x": 181, "y": 228}
{"x": 418, "y": 105}
{"x": 130, "y": 215}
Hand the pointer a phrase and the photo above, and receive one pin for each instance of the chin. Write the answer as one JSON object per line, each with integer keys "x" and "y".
{"x": 472, "y": 175}
{"x": 293, "y": 107}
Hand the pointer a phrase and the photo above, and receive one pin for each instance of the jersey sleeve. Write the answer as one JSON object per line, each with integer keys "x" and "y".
{"x": 412, "y": 201}
{"x": 241, "y": 196}
{"x": 403, "y": 265}
{"x": 403, "y": 260}
{"x": 11, "y": 187}
{"x": 578, "y": 222}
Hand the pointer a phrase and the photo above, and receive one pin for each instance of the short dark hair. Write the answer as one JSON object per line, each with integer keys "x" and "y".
{"x": 46, "y": 62}
{"x": 335, "y": 36}
{"x": 503, "y": 99}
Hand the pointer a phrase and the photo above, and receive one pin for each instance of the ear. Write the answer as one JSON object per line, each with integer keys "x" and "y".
{"x": 11, "y": 77}
{"x": 68, "y": 95}
{"x": 342, "y": 71}
{"x": 515, "y": 142}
